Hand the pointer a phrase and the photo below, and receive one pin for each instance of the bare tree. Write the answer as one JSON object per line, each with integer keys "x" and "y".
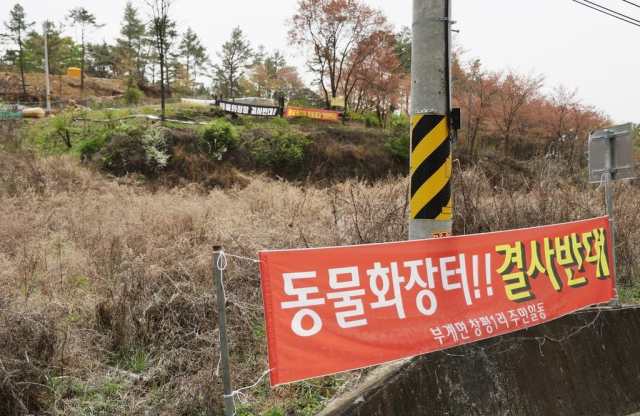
{"x": 160, "y": 25}
{"x": 337, "y": 36}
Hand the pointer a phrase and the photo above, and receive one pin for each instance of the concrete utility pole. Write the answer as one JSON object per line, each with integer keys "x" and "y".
{"x": 46, "y": 67}
{"x": 431, "y": 205}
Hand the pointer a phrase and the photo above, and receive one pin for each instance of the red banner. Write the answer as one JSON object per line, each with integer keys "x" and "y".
{"x": 324, "y": 115}
{"x": 335, "y": 309}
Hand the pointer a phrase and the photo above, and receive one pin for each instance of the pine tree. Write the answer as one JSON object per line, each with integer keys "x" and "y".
{"x": 18, "y": 27}
{"x": 236, "y": 54}
{"x": 130, "y": 47}
{"x": 102, "y": 60}
{"x": 85, "y": 21}
{"x": 193, "y": 53}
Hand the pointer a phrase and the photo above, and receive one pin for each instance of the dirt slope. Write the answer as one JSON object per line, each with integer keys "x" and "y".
{"x": 62, "y": 87}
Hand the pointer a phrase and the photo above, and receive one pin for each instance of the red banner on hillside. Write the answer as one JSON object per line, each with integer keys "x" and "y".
{"x": 324, "y": 115}
{"x": 335, "y": 309}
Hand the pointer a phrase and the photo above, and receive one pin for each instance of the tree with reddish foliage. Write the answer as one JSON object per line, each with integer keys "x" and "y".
{"x": 514, "y": 92}
{"x": 377, "y": 81}
{"x": 568, "y": 121}
{"x": 338, "y": 36}
{"x": 473, "y": 92}
{"x": 271, "y": 77}
{"x": 510, "y": 111}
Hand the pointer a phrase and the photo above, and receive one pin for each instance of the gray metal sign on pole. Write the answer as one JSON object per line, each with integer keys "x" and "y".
{"x": 621, "y": 153}
{"x": 611, "y": 158}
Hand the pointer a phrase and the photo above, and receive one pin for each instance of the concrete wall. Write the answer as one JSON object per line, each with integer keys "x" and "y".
{"x": 587, "y": 363}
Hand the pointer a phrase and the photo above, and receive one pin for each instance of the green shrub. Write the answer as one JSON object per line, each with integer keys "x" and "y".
{"x": 135, "y": 150}
{"x": 147, "y": 110}
{"x": 133, "y": 95}
{"x": 109, "y": 116}
{"x": 300, "y": 121}
{"x": 100, "y": 138}
{"x": 188, "y": 112}
{"x": 92, "y": 145}
{"x": 61, "y": 126}
{"x": 215, "y": 111}
{"x": 399, "y": 147}
{"x": 247, "y": 121}
{"x": 399, "y": 122}
{"x": 279, "y": 122}
{"x": 352, "y": 115}
{"x": 122, "y": 112}
{"x": 219, "y": 137}
{"x": 154, "y": 141}
{"x": 368, "y": 118}
{"x": 125, "y": 153}
{"x": 279, "y": 150}
{"x": 371, "y": 120}
{"x": 274, "y": 411}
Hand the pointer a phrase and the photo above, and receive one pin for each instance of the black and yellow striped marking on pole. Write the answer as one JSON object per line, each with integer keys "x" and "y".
{"x": 430, "y": 168}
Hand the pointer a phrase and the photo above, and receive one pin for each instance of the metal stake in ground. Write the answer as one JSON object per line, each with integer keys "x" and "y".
{"x": 229, "y": 407}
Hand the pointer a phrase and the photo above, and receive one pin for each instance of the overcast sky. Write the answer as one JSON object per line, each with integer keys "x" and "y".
{"x": 568, "y": 43}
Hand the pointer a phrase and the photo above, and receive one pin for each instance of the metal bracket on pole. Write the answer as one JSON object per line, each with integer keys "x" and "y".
{"x": 434, "y": 19}
{"x": 229, "y": 407}
{"x": 611, "y": 134}
{"x": 425, "y": 111}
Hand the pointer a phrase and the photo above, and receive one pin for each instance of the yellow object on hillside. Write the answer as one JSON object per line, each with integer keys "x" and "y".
{"x": 74, "y": 72}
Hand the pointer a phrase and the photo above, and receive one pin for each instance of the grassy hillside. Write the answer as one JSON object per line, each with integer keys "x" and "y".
{"x": 107, "y": 297}
{"x": 220, "y": 151}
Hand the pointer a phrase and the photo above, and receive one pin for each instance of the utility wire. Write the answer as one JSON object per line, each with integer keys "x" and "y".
{"x": 633, "y": 4}
{"x": 610, "y": 14}
{"x": 612, "y": 11}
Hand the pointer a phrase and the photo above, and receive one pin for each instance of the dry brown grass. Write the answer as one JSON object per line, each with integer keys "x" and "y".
{"x": 554, "y": 194}
{"x": 107, "y": 298}
{"x": 122, "y": 277}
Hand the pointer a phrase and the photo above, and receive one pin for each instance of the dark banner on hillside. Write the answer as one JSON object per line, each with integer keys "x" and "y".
{"x": 248, "y": 109}
{"x": 341, "y": 308}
